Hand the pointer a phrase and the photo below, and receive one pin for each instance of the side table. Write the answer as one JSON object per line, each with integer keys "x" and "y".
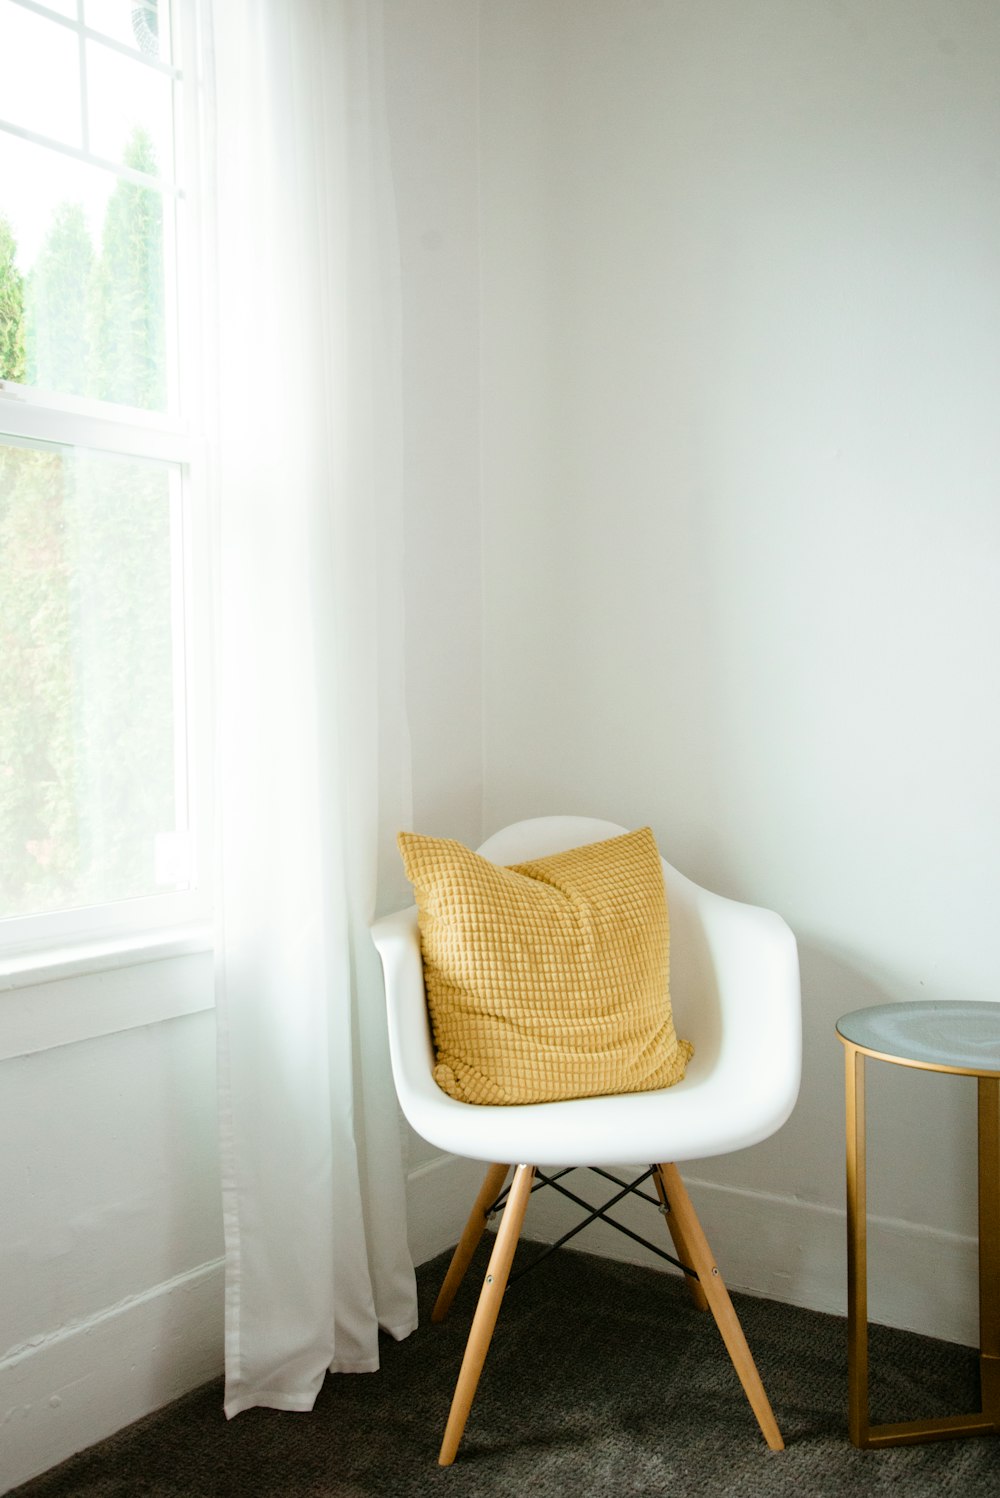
{"x": 964, "y": 1039}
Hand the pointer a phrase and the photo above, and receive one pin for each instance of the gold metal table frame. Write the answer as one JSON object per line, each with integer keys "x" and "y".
{"x": 981, "y": 1061}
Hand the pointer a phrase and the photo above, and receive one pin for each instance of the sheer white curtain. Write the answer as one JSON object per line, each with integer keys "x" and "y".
{"x": 312, "y": 749}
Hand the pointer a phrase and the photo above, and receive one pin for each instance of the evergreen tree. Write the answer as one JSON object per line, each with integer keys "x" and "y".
{"x": 38, "y": 833}
{"x": 119, "y": 529}
{"x": 127, "y": 314}
{"x": 86, "y": 653}
{"x": 58, "y": 296}
{"x": 12, "y": 362}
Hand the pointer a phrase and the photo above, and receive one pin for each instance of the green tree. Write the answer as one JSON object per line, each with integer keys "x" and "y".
{"x": 127, "y": 313}
{"x": 58, "y": 348}
{"x": 121, "y": 541}
{"x": 86, "y": 648}
{"x": 86, "y": 677}
{"x": 12, "y": 362}
{"x": 119, "y": 538}
{"x": 38, "y": 833}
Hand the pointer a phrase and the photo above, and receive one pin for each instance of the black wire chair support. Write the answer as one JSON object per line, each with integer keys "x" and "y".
{"x": 627, "y": 1188}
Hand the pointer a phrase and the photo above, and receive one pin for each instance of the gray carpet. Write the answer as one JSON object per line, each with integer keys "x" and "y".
{"x": 602, "y": 1380}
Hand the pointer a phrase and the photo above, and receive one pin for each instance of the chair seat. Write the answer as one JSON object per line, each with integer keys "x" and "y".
{"x": 692, "y": 1120}
{"x": 727, "y": 1101}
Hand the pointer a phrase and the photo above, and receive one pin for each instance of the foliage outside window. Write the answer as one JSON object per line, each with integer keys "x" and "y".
{"x": 95, "y": 514}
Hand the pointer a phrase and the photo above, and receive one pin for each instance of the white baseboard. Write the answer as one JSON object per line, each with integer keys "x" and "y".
{"x": 777, "y": 1247}
{"x": 439, "y": 1195}
{"x": 84, "y": 1382}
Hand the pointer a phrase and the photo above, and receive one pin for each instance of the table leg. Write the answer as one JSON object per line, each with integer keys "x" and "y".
{"x": 989, "y": 1245}
{"x": 857, "y": 1249}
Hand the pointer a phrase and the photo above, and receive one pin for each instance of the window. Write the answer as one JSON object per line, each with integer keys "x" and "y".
{"x": 102, "y": 692}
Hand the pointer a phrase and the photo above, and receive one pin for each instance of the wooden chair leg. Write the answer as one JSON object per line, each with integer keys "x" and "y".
{"x": 469, "y": 1241}
{"x": 487, "y": 1311}
{"x": 680, "y": 1245}
{"x": 719, "y": 1303}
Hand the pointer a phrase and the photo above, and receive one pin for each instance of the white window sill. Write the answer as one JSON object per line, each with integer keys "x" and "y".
{"x": 78, "y": 993}
{"x": 102, "y": 956}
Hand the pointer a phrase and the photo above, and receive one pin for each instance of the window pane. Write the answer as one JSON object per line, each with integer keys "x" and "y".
{"x": 144, "y": 24}
{"x": 92, "y": 764}
{"x": 83, "y": 286}
{"x": 39, "y": 74}
{"x": 131, "y": 112}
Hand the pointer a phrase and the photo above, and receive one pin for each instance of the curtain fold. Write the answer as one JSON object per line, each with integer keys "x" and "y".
{"x": 312, "y": 751}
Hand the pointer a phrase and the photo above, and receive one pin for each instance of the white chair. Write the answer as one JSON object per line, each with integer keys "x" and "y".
{"x": 735, "y": 990}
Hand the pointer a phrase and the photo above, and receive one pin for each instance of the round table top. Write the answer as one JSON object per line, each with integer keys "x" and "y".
{"x": 939, "y": 1034}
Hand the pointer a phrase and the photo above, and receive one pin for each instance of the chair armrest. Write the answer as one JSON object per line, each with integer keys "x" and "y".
{"x": 411, "y": 1047}
{"x": 735, "y": 990}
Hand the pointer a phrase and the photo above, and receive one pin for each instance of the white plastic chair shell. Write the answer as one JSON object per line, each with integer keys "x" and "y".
{"x": 734, "y": 985}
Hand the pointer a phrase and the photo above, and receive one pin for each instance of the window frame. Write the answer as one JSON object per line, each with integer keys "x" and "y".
{"x": 54, "y": 944}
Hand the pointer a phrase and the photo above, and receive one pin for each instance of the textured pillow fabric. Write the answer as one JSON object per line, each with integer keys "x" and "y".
{"x": 549, "y": 979}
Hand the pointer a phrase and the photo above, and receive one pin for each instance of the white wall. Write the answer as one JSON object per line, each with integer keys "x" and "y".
{"x": 741, "y": 370}
{"x": 111, "y": 1232}
{"x": 432, "y": 97}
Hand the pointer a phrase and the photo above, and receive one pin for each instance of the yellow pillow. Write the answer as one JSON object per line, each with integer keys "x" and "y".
{"x": 549, "y": 979}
